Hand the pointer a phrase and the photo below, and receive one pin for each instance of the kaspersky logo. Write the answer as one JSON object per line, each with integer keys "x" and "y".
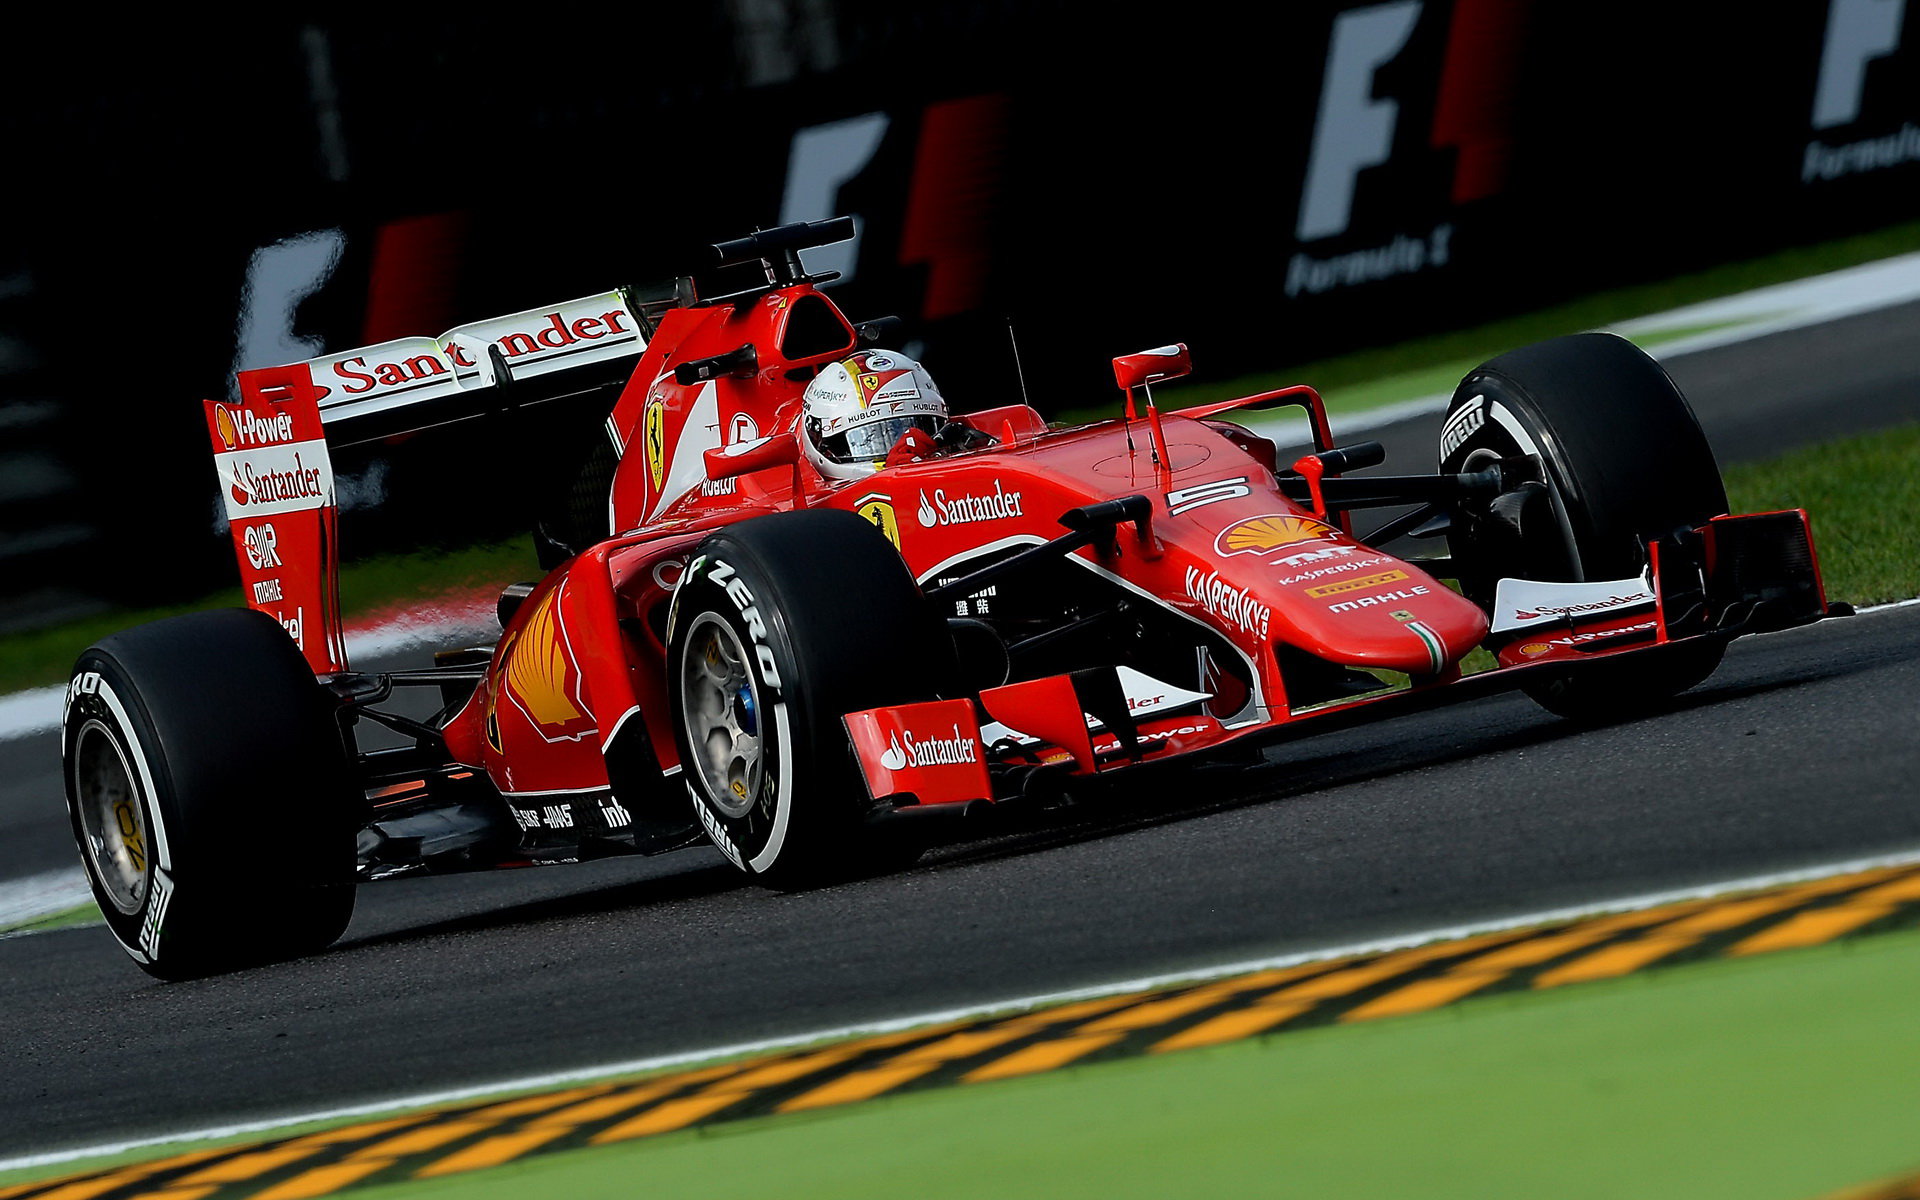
{"x": 1356, "y": 126}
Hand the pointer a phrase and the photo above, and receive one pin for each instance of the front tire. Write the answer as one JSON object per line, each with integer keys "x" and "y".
{"x": 209, "y": 793}
{"x": 780, "y": 626}
{"x": 1624, "y": 462}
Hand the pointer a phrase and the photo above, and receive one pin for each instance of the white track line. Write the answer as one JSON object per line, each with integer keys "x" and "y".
{"x": 1009, "y": 1004}
{"x": 34, "y": 896}
{"x": 1759, "y": 313}
{"x": 37, "y": 710}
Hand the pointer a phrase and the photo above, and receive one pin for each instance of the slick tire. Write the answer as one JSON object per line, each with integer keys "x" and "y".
{"x": 780, "y": 626}
{"x": 1624, "y": 461}
{"x": 210, "y": 794}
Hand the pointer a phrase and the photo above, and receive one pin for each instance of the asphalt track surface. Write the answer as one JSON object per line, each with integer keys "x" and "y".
{"x": 1803, "y": 748}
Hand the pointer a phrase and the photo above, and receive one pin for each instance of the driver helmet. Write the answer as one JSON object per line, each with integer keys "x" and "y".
{"x": 857, "y": 409}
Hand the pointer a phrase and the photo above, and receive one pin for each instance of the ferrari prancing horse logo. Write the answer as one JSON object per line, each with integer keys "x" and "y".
{"x": 654, "y": 434}
{"x": 878, "y": 508}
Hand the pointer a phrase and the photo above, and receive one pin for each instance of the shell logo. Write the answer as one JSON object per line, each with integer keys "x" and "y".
{"x": 1535, "y": 649}
{"x": 653, "y": 433}
{"x": 540, "y": 676}
{"x": 1258, "y": 535}
{"x": 223, "y": 422}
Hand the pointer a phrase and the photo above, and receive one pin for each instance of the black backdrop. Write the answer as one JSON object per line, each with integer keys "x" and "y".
{"x": 1270, "y": 188}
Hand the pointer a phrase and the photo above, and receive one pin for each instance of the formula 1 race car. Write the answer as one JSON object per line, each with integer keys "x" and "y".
{"x": 821, "y": 613}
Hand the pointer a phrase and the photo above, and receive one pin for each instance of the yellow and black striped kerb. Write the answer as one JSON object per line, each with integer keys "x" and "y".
{"x": 1362, "y": 988}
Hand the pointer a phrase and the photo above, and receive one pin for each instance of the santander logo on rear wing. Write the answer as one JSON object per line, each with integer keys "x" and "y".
{"x": 355, "y": 386}
{"x": 271, "y": 451}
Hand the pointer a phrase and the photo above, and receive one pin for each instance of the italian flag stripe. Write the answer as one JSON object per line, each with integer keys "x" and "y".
{"x": 1435, "y": 651}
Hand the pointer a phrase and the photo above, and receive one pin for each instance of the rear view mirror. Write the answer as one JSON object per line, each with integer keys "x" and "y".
{"x": 1152, "y": 366}
{"x": 743, "y": 458}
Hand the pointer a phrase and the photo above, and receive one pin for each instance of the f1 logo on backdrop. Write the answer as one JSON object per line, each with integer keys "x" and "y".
{"x": 1356, "y": 126}
{"x": 955, "y": 177}
{"x": 1352, "y": 129}
{"x": 1859, "y": 34}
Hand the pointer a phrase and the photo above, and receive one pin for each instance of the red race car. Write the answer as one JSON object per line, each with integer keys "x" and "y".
{"x": 823, "y": 612}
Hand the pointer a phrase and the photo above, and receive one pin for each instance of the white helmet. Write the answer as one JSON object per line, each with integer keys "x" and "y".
{"x": 856, "y": 409}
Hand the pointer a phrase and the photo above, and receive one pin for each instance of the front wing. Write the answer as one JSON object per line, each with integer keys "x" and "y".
{"x": 1734, "y": 575}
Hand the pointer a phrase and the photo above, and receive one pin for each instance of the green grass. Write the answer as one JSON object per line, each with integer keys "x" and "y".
{"x": 1429, "y": 365}
{"x": 1783, "y": 1076}
{"x": 393, "y": 578}
{"x": 44, "y": 656}
{"x": 84, "y": 914}
{"x": 1439, "y": 379}
{"x": 1863, "y": 494}
{"x": 1864, "y": 497}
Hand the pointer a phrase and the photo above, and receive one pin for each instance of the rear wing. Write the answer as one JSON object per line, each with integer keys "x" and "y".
{"x": 523, "y": 358}
{"x": 271, "y": 448}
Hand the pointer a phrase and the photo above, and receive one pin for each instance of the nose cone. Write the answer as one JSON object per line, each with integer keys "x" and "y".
{"x": 1397, "y": 618}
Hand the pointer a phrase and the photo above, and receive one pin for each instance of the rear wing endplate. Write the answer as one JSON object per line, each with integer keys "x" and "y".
{"x": 276, "y": 482}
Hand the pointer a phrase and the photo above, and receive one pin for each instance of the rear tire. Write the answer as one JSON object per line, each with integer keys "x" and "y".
{"x": 210, "y": 794}
{"x": 1624, "y": 461}
{"x": 780, "y": 626}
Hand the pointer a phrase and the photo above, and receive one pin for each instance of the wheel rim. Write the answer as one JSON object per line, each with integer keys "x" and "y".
{"x": 112, "y": 823}
{"x": 720, "y": 706}
{"x": 1483, "y": 457}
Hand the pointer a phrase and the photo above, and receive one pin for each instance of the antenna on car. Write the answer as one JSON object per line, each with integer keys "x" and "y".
{"x": 1019, "y": 371}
